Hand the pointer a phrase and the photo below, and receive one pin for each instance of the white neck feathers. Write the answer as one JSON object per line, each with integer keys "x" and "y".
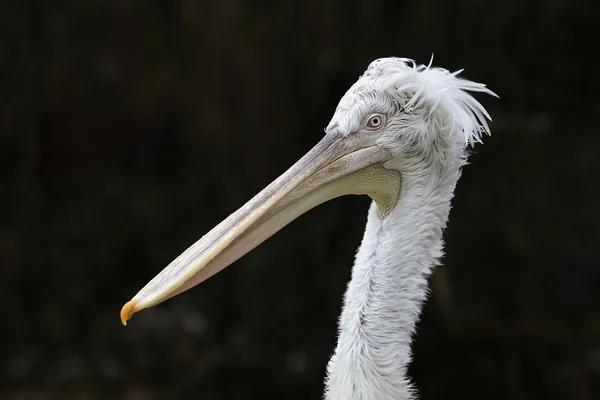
{"x": 387, "y": 290}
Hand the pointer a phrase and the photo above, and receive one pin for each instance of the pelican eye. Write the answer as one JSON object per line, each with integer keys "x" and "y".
{"x": 375, "y": 121}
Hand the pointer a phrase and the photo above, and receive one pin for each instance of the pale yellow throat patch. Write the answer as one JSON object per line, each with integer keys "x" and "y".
{"x": 379, "y": 183}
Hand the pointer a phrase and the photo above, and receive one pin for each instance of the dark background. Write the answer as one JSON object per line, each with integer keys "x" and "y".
{"x": 130, "y": 127}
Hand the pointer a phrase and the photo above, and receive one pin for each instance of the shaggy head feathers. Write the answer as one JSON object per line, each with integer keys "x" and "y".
{"x": 417, "y": 100}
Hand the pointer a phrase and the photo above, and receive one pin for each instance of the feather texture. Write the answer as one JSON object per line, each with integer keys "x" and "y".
{"x": 430, "y": 120}
{"x": 415, "y": 85}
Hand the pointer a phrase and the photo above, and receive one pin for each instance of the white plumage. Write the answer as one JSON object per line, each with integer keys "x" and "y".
{"x": 431, "y": 119}
{"x": 400, "y": 135}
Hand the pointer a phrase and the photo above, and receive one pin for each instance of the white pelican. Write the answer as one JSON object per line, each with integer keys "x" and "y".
{"x": 399, "y": 135}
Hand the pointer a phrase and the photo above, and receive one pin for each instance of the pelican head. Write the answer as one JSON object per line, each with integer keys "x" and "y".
{"x": 397, "y": 120}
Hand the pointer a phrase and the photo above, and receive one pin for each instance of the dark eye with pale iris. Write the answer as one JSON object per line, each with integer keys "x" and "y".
{"x": 375, "y": 121}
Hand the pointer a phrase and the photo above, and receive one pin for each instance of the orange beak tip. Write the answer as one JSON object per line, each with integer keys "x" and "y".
{"x": 127, "y": 311}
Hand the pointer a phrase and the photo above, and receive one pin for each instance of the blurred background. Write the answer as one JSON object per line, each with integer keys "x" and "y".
{"x": 129, "y": 128}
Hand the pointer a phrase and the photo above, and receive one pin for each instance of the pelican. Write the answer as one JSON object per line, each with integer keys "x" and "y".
{"x": 399, "y": 135}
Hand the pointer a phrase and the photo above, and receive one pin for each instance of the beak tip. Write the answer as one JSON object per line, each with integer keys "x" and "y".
{"x": 127, "y": 311}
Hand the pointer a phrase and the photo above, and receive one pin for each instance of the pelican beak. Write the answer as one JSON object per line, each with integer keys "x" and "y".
{"x": 338, "y": 165}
